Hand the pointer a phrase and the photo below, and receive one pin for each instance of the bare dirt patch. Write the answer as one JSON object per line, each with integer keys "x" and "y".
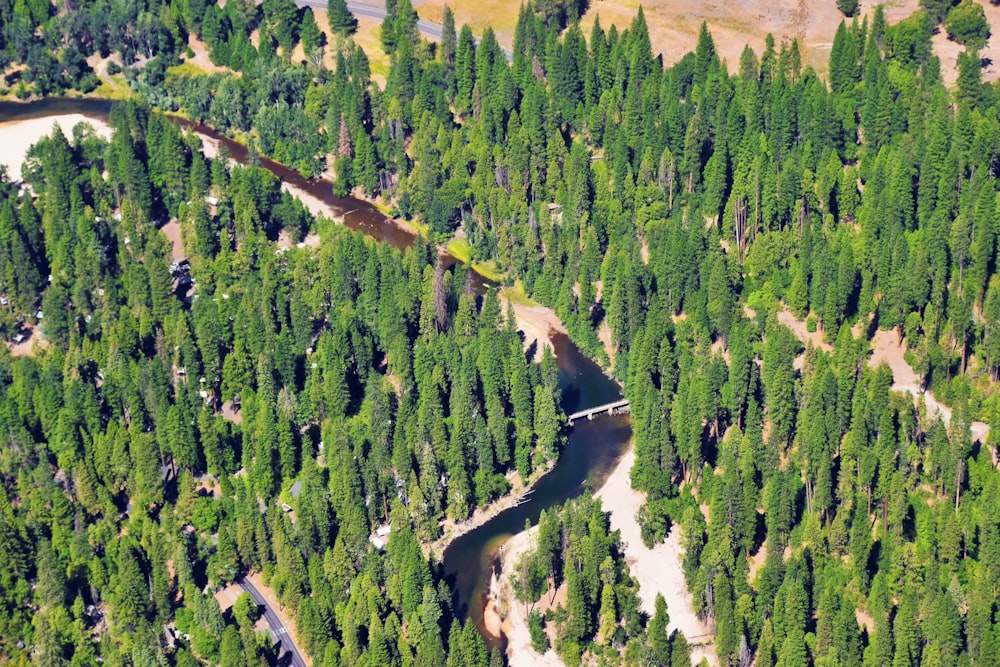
{"x": 888, "y": 348}
{"x": 604, "y": 335}
{"x": 535, "y": 321}
{"x": 756, "y": 562}
{"x": 948, "y": 50}
{"x": 801, "y": 331}
{"x": 32, "y": 342}
{"x": 285, "y": 241}
{"x": 210, "y": 485}
{"x": 501, "y": 15}
{"x": 201, "y": 58}
{"x": 230, "y": 414}
{"x": 227, "y": 596}
{"x": 864, "y": 620}
{"x": 674, "y": 26}
{"x": 172, "y": 230}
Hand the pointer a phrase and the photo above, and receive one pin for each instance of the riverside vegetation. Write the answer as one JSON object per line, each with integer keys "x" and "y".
{"x": 673, "y": 211}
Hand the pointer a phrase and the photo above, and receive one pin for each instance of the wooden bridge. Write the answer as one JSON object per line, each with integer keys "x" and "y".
{"x": 615, "y": 408}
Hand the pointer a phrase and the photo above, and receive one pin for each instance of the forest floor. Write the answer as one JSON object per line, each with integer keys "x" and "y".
{"x": 888, "y": 348}
{"x": 18, "y": 136}
{"x": 658, "y": 570}
{"x": 227, "y": 597}
{"x": 285, "y": 240}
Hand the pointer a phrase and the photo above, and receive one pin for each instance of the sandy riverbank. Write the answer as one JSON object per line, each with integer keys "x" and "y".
{"x": 658, "y": 570}
{"x": 18, "y": 136}
{"x": 452, "y": 530}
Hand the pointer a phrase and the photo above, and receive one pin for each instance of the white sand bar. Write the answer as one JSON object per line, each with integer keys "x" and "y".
{"x": 17, "y": 136}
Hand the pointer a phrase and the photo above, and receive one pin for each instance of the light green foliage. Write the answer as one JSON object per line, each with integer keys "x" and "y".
{"x": 966, "y": 24}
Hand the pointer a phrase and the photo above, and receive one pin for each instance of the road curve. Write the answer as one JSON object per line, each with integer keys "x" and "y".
{"x": 281, "y": 632}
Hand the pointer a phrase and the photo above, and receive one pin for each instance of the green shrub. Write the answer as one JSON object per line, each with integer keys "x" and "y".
{"x": 848, "y": 7}
{"x": 966, "y": 24}
{"x": 536, "y": 626}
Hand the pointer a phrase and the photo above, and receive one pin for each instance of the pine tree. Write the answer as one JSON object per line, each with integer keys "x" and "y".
{"x": 309, "y": 33}
{"x": 659, "y": 641}
{"x": 847, "y": 7}
{"x": 340, "y": 17}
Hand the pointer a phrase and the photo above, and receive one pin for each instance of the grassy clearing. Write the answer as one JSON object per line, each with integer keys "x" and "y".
{"x": 368, "y": 38}
{"x": 115, "y": 89}
{"x": 186, "y": 68}
{"x": 517, "y": 296}
{"x": 422, "y": 227}
{"x": 460, "y": 249}
{"x": 488, "y": 270}
{"x": 501, "y": 15}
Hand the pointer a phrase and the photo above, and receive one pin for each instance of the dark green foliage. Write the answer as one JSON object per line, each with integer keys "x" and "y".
{"x": 340, "y": 18}
{"x": 938, "y": 9}
{"x": 536, "y": 626}
{"x": 847, "y": 7}
{"x": 674, "y": 213}
{"x": 575, "y": 550}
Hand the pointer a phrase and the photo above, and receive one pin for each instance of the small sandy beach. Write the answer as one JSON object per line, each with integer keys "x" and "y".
{"x": 17, "y": 136}
{"x": 658, "y": 570}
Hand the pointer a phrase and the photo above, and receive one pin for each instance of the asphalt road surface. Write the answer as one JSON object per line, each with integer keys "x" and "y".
{"x": 377, "y": 11}
{"x": 281, "y": 632}
{"x": 374, "y": 11}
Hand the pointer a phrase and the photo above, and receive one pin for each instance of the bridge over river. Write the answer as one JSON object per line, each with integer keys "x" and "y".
{"x": 613, "y": 408}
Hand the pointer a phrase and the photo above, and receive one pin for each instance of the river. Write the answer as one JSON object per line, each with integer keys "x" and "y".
{"x": 593, "y": 448}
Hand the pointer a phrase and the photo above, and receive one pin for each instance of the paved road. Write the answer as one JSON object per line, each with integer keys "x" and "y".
{"x": 281, "y": 632}
{"x": 374, "y": 11}
{"x": 377, "y": 11}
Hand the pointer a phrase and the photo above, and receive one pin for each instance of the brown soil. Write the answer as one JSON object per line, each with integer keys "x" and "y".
{"x": 285, "y": 240}
{"x": 757, "y": 562}
{"x": 34, "y": 341}
{"x": 201, "y": 58}
{"x": 227, "y": 596}
{"x": 172, "y": 230}
{"x": 228, "y": 413}
{"x": 864, "y": 620}
{"x": 801, "y": 331}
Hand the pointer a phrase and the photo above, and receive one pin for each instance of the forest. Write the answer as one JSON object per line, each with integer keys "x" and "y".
{"x": 668, "y": 214}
